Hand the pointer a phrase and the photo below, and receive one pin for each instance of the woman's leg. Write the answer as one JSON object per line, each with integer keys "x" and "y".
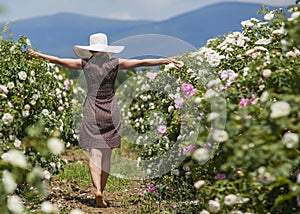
{"x": 99, "y": 164}
{"x": 95, "y": 159}
{"x": 105, "y": 167}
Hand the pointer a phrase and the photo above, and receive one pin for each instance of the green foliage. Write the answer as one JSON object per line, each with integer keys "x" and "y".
{"x": 253, "y": 165}
{"x": 35, "y": 114}
{"x": 32, "y": 91}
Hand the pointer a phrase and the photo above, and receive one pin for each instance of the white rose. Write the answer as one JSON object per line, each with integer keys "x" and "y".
{"x": 45, "y": 112}
{"x": 3, "y": 89}
{"x": 60, "y": 108}
{"x": 266, "y": 178}
{"x": 291, "y": 54}
{"x": 267, "y": 73}
{"x": 53, "y": 165}
{"x": 148, "y": 171}
{"x": 35, "y": 96}
{"x": 280, "y": 109}
{"x": 15, "y": 205}
{"x": 48, "y": 207}
{"x": 28, "y": 42}
{"x": 145, "y": 87}
{"x": 264, "y": 97}
{"x": 245, "y": 71}
{"x": 76, "y": 211}
{"x": 10, "y": 85}
{"x": 230, "y": 199}
{"x": 247, "y": 23}
{"x": 47, "y": 175}
{"x": 25, "y": 113}
{"x": 151, "y": 75}
{"x": 169, "y": 66}
{"x": 27, "y": 107}
{"x": 220, "y": 135}
{"x": 279, "y": 31}
{"x": 214, "y": 60}
{"x": 263, "y": 41}
{"x": 8, "y": 182}
{"x": 213, "y": 83}
{"x": 170, "y": 109}
{"x": 240, "y": 42}
{"x": 204, "y": 212}
{"x": 199, "y": 184}
{"x": 294, "y": 16}
{"x": 10, "y": 105}
{"x": 55, "y": 146}
{"x": 59, "y": 77}
{"x": 212, "y": 116}
{"x": 17, "y": 143}
{"x": 284, "y": 43}
{"x": 7, "y": 118}
{"x": 214, "y": 206}
{"x": 254, "y": 20}
{"x": 167, "y": 87}
{"x": 290, "y": 140}
{"x": 211, "y": 93}
{"x": 167, "y": 146}
{"x": 269, "y": 16}
{"x": 198, "y": 100}
{"x": 32, "y": 102}
{"x": 12, "y": 48}
{"x": 58, "y": 91}
{"x": 201, "y": 155}
{"x": 22, "y": 75}
{"x": 15, "y": 158}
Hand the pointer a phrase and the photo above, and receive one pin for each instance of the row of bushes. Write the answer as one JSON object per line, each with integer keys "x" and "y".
{"x": 222, "y": 133}
{"x": 36, "y": 124}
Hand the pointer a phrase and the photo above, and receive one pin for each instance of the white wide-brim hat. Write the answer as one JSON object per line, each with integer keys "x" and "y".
{"x": 99, "y": 43}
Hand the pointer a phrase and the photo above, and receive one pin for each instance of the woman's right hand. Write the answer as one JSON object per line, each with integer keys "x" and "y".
{"x": 32, "y": 53}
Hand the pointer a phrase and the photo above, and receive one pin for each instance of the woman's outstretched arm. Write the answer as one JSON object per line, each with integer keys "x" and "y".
{"x": 75, "y": 64}
{"x": 125, "y": 64}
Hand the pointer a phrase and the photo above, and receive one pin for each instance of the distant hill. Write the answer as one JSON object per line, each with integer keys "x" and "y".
{"x": 56, "y": 34}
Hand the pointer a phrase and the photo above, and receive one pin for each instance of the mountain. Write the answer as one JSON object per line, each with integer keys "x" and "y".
{"x": 56, "y": 34}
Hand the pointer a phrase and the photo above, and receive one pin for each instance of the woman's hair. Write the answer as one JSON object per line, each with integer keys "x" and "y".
{"x": 104, "y": 54}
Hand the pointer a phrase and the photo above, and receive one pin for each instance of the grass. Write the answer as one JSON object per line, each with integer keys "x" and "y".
{"x": 78, "y": 174}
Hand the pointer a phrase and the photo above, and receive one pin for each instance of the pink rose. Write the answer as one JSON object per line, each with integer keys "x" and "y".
{"x": 162, "y": 130}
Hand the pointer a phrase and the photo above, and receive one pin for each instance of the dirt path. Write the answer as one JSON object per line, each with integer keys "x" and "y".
{"x": 68, "y": 195}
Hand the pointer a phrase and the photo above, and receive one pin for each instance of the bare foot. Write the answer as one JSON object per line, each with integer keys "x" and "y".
{"x": 100, "y": 202}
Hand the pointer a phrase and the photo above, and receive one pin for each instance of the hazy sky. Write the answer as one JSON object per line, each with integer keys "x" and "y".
{"x": 117, "y": 9}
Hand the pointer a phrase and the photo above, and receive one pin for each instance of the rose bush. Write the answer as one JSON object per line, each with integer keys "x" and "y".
{"x": 36, "y": 123}
{"x": 245, "y": 157}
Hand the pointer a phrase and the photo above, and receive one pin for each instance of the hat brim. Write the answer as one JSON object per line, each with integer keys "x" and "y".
{"x": 84, "y": 51}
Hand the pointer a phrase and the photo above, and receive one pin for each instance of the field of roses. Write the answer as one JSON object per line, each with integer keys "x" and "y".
{"x": 219, "y": 135}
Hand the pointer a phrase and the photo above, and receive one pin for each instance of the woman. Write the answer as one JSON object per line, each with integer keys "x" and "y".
{"x": 99, "y": 132}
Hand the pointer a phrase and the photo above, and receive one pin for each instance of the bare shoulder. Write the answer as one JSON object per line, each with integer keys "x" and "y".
{"x": 121, "y": 60}
{"x": 124, "y": 63}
